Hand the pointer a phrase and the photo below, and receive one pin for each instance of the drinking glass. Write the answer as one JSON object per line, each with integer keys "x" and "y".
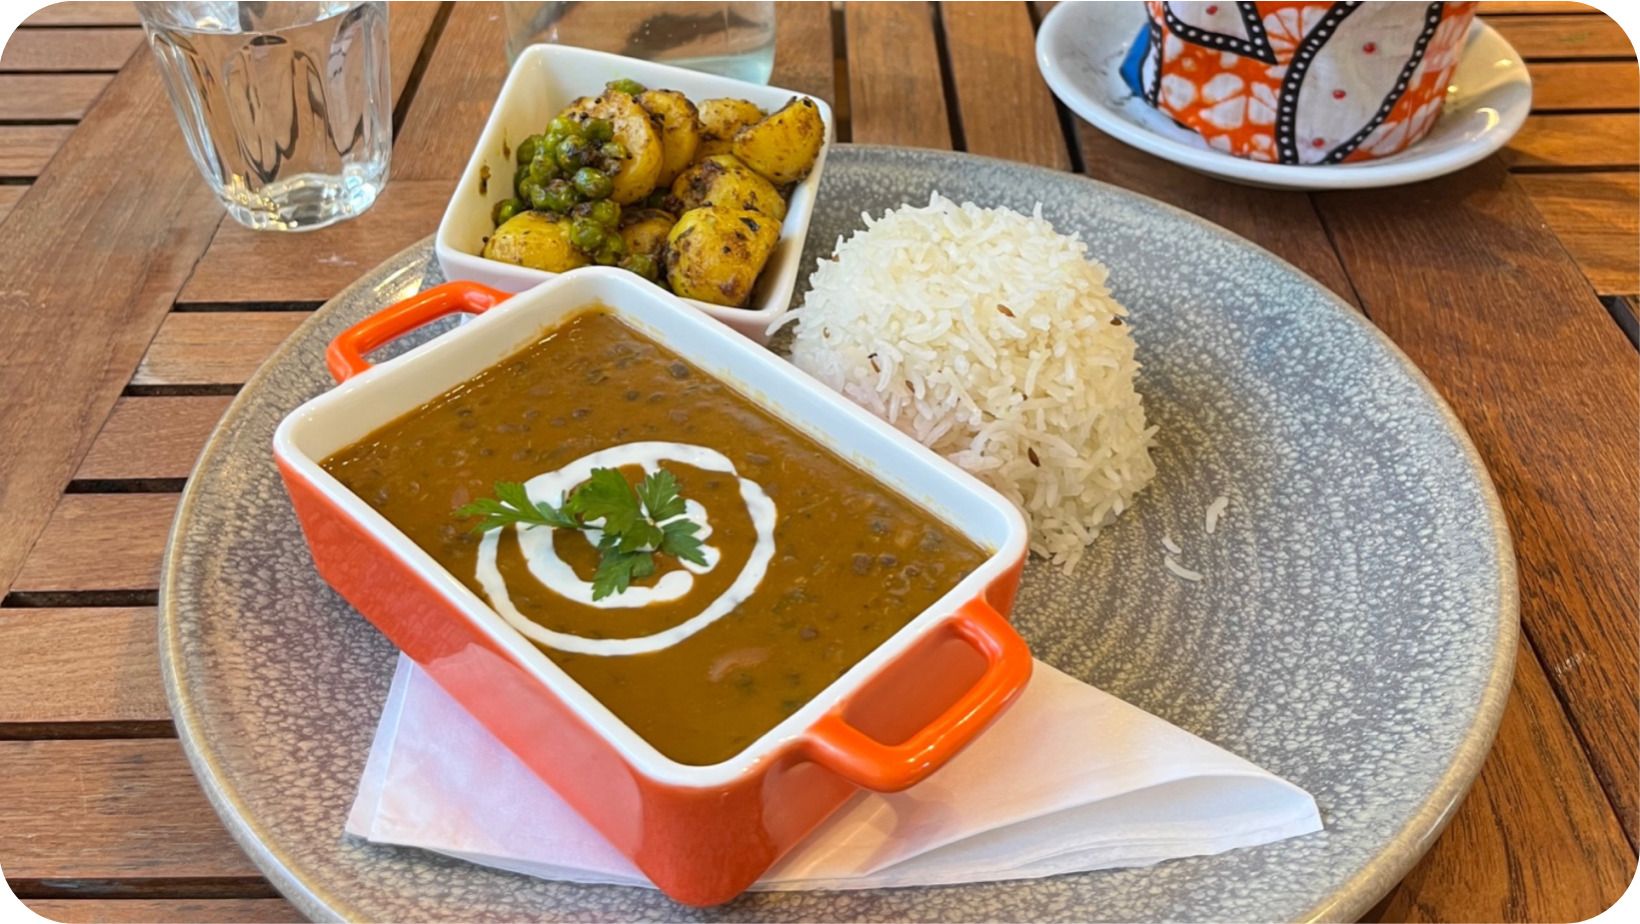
{"x": 286, "y": 107}
{"x": 732, "y": 39}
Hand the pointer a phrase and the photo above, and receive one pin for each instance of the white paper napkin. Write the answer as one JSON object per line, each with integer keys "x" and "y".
{"x": 1069, "y": 779}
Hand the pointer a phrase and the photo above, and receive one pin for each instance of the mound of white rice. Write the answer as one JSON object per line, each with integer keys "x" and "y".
{"x": 992, "y": 339}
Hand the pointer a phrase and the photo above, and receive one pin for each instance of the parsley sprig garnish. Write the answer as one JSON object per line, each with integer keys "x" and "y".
{"x": 635, "y": 523}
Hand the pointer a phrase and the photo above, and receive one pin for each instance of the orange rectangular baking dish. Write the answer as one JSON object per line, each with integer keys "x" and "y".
{"x": 702, "y": 834}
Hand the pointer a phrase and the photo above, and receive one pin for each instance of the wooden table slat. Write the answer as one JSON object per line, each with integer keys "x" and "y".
{"x": 457, "y": 90}
{"x": 1006, "y": 110}
{"x": 1575, "y": 140}
{"x": 92, "y": 252}
{"x": 1595, "y": 217}
{"x": 213, "y": 347}
{"x": 1462, "y": 276}
{"x": 895, "y": 94}
{"x": 152, "y": 437}
{"x": 9, "y": 197}
{"x": 100, "y": 542}
{"x": 1561, "y": 86}
{"x": 43, "y": 97}
{"x": 109, "y": 809}
{"x": 109, "y": 674}
{"x": 88, "y": 13}
{"x": 173, "y": 911}
{"x": 242, "y": 265}
{"x": 70, "y": 49}
{"x": 1533, "y": 7}
{"x": 803, "y": 54}
{"x": 26, "y": 149}
{"x": 1535, "y": 839}
{"x": 1592, "y": 36}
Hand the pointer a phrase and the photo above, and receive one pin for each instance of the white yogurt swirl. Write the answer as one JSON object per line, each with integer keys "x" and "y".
{"x": 553, "y": 572}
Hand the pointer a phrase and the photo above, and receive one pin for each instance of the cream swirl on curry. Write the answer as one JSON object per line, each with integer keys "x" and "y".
{"x": 541, "y": 554}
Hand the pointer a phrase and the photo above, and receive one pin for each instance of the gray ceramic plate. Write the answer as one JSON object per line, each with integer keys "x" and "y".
{"x": 1355, "y": 634}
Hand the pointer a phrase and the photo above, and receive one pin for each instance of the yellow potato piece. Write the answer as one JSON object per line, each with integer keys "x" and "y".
{"x": 678, "y": 123}
{"x": 641, "y": 170}
{"x": 715, "y": 254}
{"x": 723, "y": 180}
{"x": 536, "y": 240}
{"x": 719, "y": 120}
{"x": 645, "y": 230}
{"x": 784, "y": 146}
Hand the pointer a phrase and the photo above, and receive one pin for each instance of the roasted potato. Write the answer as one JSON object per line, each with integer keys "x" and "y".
{"x": 719, "y": 120}
{"x": 537, "y": 240}
{"x": 641, "y": 168}
{"x": 678, "y": 123}
{"x": 723, "y": 180}
{"x": 784, "y": 146}
{"x": 645, "y": 230}
{"x": 714, "y": 254}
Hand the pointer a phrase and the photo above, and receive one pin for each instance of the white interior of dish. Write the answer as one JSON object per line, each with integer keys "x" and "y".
{"x": 547, "y": 78}
{"x": 353, "y": 409}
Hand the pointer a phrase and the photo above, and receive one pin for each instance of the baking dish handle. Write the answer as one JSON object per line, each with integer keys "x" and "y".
{"x": 834, "y": 743}
{"x": 345, "y": 355}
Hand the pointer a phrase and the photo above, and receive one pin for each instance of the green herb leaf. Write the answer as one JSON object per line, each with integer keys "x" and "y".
{"x": 605, "y": 496}
{"x": 617, "y": 570}
{"x": 514, "y": 506}
{"x": 678, "y": 540}
{"x": 659, "y": 493}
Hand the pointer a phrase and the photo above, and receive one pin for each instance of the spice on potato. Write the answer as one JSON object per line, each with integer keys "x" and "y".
{"x": 645, "y": 230}
{"x": 537, "y": 240}
{"x": 784, "y": 146}
{"x": 720, "y": 119}
{"x": 715, "y": 254}
{"x": 640, "y": 167}
{"x": 678, "y": 123}
{"x": 723, "y": 180}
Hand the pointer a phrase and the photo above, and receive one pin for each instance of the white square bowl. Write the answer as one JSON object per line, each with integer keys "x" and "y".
{"x": 545, "y": 80}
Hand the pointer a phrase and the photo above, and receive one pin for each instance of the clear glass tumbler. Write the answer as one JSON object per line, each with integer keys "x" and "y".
{"x": 287, "y": 107}
{"x": 732, "y": 39}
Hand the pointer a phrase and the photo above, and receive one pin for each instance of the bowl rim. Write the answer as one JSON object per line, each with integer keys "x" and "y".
{"x": 786, "y": 265}
{"x": 762, "y": 378}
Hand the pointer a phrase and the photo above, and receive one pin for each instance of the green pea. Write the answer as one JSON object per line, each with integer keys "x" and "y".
{"x": 572, "y": 153}
{"x": 559, "y": 196}
{"x": 543, "y": 169}
{"x": 605, "y": 212}
{"x": 641, "y": 263}
{"x": 562, "y": 126}
{"x": 594, "y": 184}
{"x": 613, "y": 150}
{"x": 600, "y": 130}
{"x": 588, "y": 235}
{"x": 506, "y": 209}
{"x": 536, "y": 194}
{"x": 625, "y": 85}
{"x": 528, "y": 148}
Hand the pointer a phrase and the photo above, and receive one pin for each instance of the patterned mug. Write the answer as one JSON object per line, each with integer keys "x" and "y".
{"x": 1299, "y": 82}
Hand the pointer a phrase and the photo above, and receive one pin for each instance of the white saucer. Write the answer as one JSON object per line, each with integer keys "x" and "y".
{"x": 1081, "y": 45}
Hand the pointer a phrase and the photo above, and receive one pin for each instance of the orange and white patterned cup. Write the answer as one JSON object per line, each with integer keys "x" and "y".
{"x": 1300, "y": 82}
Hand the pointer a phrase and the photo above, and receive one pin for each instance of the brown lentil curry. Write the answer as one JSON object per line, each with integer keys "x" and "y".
{"x": 854, "y": 561}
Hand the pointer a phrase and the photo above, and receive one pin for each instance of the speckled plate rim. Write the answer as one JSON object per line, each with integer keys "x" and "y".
{"x": 1358, "y": 894}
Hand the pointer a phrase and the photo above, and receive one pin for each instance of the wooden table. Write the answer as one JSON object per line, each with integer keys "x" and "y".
{"x": 130, "y": 312}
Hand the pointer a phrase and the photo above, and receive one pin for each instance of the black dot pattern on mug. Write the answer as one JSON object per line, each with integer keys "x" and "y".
{"x": 1287, "y": 97}
{"x": 1432, "y": 21}
{"x": 1256, "y": 45}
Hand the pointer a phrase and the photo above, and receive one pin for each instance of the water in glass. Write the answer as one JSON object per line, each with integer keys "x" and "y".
{"x": 732, "y": 39}
{"x": 286, "y": 107}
